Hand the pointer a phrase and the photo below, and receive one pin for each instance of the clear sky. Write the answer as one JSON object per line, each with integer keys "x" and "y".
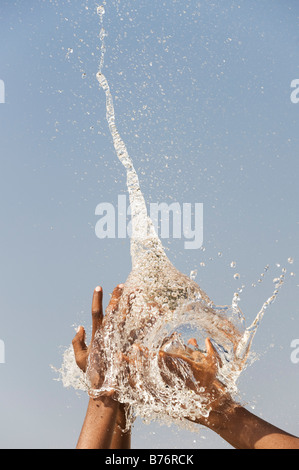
{"x": 202, "y": 99}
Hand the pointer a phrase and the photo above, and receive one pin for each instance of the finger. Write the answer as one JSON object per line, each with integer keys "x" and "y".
{"x": 176, "y": 364}
{"x": 212, "y": 353}
{"x": 172, "y": 358}
{"x": 79, "y": 340}
{"x": 193, "y": 342}
{"x": 115, "y": 298}
{"x": 190, "y": 372}
{"x": 80, "y": 348}
{"x": 97, "y": 310}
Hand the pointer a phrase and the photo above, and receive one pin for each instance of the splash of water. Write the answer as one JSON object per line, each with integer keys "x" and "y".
{"x": 158, "y": 306}
{"x": 157, "y": 302}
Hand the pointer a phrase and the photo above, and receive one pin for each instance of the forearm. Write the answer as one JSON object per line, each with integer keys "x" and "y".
{"x": 243, "y": 430}
{"x": 99, "y": 424}
{"x": 121, "y": 439}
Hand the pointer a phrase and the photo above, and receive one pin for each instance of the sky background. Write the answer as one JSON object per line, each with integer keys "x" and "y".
{"x": 202, "y": 100}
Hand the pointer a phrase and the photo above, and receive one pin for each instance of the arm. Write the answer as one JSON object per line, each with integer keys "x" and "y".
{"x": 121, "y": 439}
{"x": 105, "y": 417}
{"x": 232, "y": 422}
{"x": 244, "y": 430}
{"x": 99, "y": 424}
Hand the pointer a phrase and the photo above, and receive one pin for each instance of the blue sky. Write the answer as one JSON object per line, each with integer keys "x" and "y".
{"x": 202, "y": 99}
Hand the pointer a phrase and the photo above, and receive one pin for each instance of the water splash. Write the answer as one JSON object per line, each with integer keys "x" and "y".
{"x": 158, "y": 308}
{"x": 157, "y": 302}
{"x": 101, "y": 13}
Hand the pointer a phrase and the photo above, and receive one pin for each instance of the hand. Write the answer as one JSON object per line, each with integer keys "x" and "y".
{"x": 198, "y": 370}
{"x": 203, "y": 369}
{"x": 81, "y": 350}
{"x": 105, "y": 419}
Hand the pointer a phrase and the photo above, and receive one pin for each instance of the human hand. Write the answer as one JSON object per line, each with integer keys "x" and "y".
{"x": 81, "y": 350}
{"x": 203, "y": 366}
{"x": 195, "y": 368}
{"x": 201, "y": 377}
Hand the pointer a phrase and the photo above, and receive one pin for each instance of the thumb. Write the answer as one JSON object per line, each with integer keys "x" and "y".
{"x": 80, "y": 348}
{"x": 212, "y": 353}
{"x": 79, "y": 340}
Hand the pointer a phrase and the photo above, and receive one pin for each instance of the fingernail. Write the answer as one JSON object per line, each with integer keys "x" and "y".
{"x": 78, "y": 329}
{"x": 98, "y": 289}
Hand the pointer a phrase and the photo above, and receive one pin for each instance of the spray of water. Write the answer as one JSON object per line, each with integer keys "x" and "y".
{"x": 158, "y": 307}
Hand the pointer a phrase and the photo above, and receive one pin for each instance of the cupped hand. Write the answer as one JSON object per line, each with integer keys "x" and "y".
{"x": 203, "y": 366}
{"x": 197, "y": 369}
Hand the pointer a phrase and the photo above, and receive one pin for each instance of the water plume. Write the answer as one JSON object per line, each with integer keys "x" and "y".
{"x": 157, "y": 309}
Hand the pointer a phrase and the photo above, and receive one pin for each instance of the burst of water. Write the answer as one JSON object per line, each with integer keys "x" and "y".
{"x": 157, "y": 305}
{"x": 157, "y": 301}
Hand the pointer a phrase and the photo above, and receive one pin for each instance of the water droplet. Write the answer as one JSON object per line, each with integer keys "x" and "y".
{"x": 237, "y": 276}
{"x": 101, "y": 10}
{"x": 193, "y": 274}
{"x": 219, "y": 254}
{"x": 83, "y": 75}
{"x": 290, "y": 260}
{"x": 233, "y": 264}
{"x": 292, "y": 274}
{"x": 69, "y": 51}
{"x": 102, "y": 34}
{"x": 202, "y": 264}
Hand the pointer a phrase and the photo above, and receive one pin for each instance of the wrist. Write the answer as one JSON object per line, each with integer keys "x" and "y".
{"x": 97, "y": 404}
{"x": 99, "y": 423}
{"x": 221, "y": 411}
{"x": 220, "y": 415}
{"x": 122, "y": 417}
